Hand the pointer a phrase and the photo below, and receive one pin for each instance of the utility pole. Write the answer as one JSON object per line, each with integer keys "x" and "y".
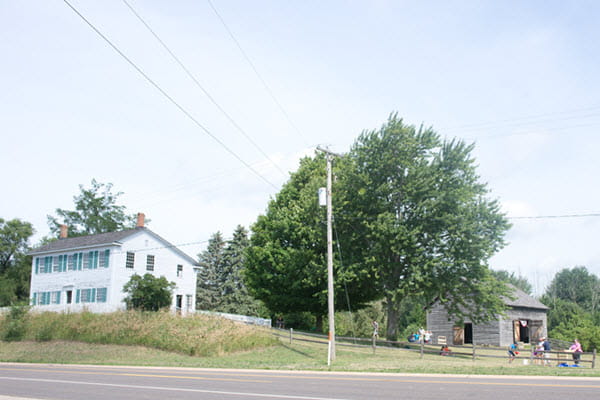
{"x": 331, "y": 348}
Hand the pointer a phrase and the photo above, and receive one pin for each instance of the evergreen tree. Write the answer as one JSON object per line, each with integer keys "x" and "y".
{"x": 235, "y": 297}
{"x": 210, "y": 277}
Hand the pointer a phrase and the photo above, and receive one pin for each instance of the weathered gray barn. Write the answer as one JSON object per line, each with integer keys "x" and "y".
{"x": 525, "y": 321}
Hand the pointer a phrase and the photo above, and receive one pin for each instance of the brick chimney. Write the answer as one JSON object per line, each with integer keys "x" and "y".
{"x": 140, "y": 220}
{"x": 64, "y": 232}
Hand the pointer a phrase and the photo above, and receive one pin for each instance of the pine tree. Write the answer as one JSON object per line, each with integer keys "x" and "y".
{"x": 209, "y": 282}
{"x": 235, "y": 297}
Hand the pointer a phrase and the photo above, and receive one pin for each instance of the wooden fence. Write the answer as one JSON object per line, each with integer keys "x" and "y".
{"x": 526, "y": 356}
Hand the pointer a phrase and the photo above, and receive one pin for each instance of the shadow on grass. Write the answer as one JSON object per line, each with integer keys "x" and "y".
{"x": 298, "y": 351}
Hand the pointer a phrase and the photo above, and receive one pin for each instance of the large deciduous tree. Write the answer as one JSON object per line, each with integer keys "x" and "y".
{"x": 15, "y": 265}
{"x": 414, "y": 212}
{"x": 96, "y": 211}
{"x": 286, "y": 265}
{"x": 576, "y": 285}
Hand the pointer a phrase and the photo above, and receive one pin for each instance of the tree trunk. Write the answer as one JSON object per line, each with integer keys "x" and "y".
{"x": 393, "y": 315}
{"x": 319, "y": 327}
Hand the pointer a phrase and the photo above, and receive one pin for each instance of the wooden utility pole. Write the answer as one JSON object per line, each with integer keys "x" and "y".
{"x": 331, "y": 348}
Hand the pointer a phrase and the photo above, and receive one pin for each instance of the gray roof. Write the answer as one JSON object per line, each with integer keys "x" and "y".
{"x": 103, "y": 239}
{"x": 524, "y": 300}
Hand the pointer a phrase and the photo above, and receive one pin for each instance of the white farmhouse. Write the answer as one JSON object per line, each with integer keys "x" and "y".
{"x": 89, "y": 272}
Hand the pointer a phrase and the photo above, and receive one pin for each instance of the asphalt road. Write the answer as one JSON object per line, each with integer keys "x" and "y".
{"x": 66, "y": 382}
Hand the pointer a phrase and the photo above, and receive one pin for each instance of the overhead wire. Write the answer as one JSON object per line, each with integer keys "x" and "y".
{"x": 167, "y": 96}
{"x": 199, "y": 86}
{"x": 260, "y": 78}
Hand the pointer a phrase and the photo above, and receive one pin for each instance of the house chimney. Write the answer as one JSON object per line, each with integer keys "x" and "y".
{"x": 140, "y": 220}
{"x": 64, "y": 232}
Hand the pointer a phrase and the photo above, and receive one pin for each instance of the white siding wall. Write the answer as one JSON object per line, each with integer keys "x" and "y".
{"x": 165, "y": 264}
{"x": 116, "y": 275}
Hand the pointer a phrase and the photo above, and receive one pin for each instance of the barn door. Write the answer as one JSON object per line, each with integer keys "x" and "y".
{"x": 517, "y": 331}
{"x": 459, "y": 335}
{"x": 536, "y": 330}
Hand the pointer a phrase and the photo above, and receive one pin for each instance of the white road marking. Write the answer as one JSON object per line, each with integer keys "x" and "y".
{"x": 275, "y": 396}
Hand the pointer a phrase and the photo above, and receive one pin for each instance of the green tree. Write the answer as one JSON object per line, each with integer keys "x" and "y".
{"x": 576, "y": 285}
{"x": 415, "y": 214}
{"x": 148, "y": 293}
{"x": 15, "y": 264}
{"x": 234, "y": 293}
{"x": 14, "y": 242}
{"x": 286, "y": 264}
{"x": 96, "y": 211}
{"x": 210, "y": 278}
{"x": 517, "y": 281}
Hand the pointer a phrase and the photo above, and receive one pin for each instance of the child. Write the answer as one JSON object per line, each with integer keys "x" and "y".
{"x": 512, "y": 352}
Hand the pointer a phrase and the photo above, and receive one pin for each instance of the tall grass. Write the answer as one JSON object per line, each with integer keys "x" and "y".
{"x": 198, "y": 335}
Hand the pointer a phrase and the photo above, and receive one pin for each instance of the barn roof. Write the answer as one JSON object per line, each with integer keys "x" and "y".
{"x": 524, "y": 300}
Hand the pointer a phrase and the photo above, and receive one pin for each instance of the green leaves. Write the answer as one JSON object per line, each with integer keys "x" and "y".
{"x": 148, "y": 293}
{"x": 411, "y": 220}
{"x": 96, "y": 211}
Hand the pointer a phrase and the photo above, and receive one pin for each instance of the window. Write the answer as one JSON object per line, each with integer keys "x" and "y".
{"x": 188, "y": 301}
{"x": 42, "y": 298}
{"x": 48, "y": 264}
{"x": 55, "y": 297}
{"x": 149, "y": 263}
{"x": 55, "y": 264}
{"x": 101, "y": 295}
{"x": 62, "y": 263}
{"x": 87, "y": 295}
{"x": 104, "y": 259}
{"x": 130, "y": 260}
{"x": 91, "y": 261}
{"x": 179, "y": 271}
{"x": 75, "y": 262}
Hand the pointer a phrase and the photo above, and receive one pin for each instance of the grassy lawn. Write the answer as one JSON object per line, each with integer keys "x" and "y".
{"x": 299, "y": 355}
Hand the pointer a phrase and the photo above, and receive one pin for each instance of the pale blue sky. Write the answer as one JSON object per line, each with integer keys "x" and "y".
{"x": 518, "y": 78}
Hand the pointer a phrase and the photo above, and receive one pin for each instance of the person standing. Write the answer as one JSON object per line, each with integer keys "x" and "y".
{"x": 577, "y": 350}
{"x": 546, "y": 346}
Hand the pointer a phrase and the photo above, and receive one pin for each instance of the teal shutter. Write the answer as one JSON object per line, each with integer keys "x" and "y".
{"x": 77, "y": 296}
{"x": 57, "y": 297}
{"x": 106, "y": 257}
{"x": 93, "y": 295}
{"x": 34, "y": 299}
{"x": 37, "y": 265}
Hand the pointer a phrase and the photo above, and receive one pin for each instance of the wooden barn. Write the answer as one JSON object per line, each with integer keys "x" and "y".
{"x": 525, "y": 322}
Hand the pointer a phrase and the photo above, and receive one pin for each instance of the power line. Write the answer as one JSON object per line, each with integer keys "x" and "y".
{"x": 195, "y": 80}
{"x": 264, "y": 83}
{"x": 166, "y": 95}
{"x": 532, "y": 119}
{"x": 558, "y": 216}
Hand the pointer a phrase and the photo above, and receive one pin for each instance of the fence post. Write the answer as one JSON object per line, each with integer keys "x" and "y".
{"x": 594, "y": 359}
{"x": 473, "y": 350}
{"x": 422, "y": 347}
{"x": 291, "y": 334}
{"x": 374, "y": 343}
{"x": 531, "y": 354}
